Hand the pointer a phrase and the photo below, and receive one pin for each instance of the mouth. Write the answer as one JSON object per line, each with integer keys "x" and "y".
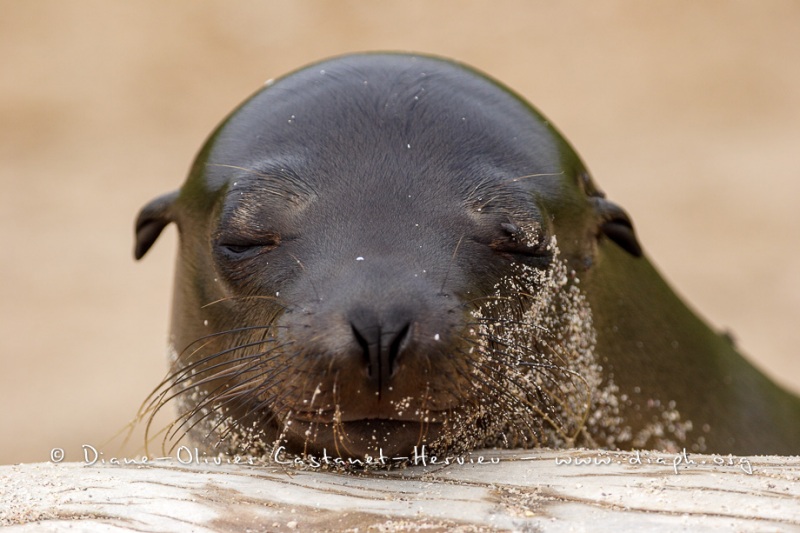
{"x": 317, "y": 434}
{"x": 335, "y": 416}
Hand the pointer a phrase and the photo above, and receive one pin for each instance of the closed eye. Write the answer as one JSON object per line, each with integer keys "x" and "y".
{"x": 524, "y": 249}
{"x": 519, "y": 242}
{"x": 240, "y": 248}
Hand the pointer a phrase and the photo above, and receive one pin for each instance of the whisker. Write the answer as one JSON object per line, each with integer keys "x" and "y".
{"x": 273, "y": 299}
{"x": 450, "y": 264}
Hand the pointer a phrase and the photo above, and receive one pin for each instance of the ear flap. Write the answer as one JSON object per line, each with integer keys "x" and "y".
{"x": 617, "y": 226}
{"x": 153, "y": 218}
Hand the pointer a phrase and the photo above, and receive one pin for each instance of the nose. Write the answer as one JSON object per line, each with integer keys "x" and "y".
{"x": 382, "y": 339}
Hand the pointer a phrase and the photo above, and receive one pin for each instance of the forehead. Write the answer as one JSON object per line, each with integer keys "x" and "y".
{"x": 384, "y": 121}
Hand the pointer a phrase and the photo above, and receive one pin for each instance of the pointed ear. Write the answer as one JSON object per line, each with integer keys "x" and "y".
{"x": 153, "y": 218}
{"x": 617, "y": 226}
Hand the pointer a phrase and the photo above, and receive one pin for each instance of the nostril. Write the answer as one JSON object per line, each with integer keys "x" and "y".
{"x": 396, "y": 346}
{"x": 364, "y": 345}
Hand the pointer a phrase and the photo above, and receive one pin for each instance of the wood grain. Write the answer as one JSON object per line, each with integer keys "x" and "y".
{"x": 524, "y": 491}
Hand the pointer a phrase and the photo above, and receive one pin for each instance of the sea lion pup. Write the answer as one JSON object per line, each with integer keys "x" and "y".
{"x": 384, "y": 251}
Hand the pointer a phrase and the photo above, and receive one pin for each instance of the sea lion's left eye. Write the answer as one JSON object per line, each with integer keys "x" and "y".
{"x": 521, "y": 242}
{"x": 514, "y": 232}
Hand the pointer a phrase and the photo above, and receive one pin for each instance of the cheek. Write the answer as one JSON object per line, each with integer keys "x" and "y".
{"x": 477, "y": 270}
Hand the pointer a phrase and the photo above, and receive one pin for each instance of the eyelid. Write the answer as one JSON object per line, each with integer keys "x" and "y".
{"x": 516, "y": 240}
{"x": 242, "y": 246}
{"x": 538, "y": 249}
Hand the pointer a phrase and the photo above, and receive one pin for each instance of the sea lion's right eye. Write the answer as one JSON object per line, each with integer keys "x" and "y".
{"x": 240, "y": 248}
{"x": 237, "y": 249}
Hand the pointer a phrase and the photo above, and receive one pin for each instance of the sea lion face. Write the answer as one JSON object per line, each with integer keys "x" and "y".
{"x": 345, "y": 237}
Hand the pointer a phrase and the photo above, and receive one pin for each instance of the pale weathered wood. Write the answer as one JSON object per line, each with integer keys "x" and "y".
{"x": 525, "y": 491}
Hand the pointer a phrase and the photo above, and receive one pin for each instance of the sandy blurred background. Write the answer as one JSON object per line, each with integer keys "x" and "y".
{"x": 687, "y": 113}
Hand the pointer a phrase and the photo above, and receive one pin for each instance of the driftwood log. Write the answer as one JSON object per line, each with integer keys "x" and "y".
{"x": 539, "y": 490}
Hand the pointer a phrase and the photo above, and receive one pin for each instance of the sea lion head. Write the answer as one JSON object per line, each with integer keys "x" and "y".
{"x": 362, "y": 243}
